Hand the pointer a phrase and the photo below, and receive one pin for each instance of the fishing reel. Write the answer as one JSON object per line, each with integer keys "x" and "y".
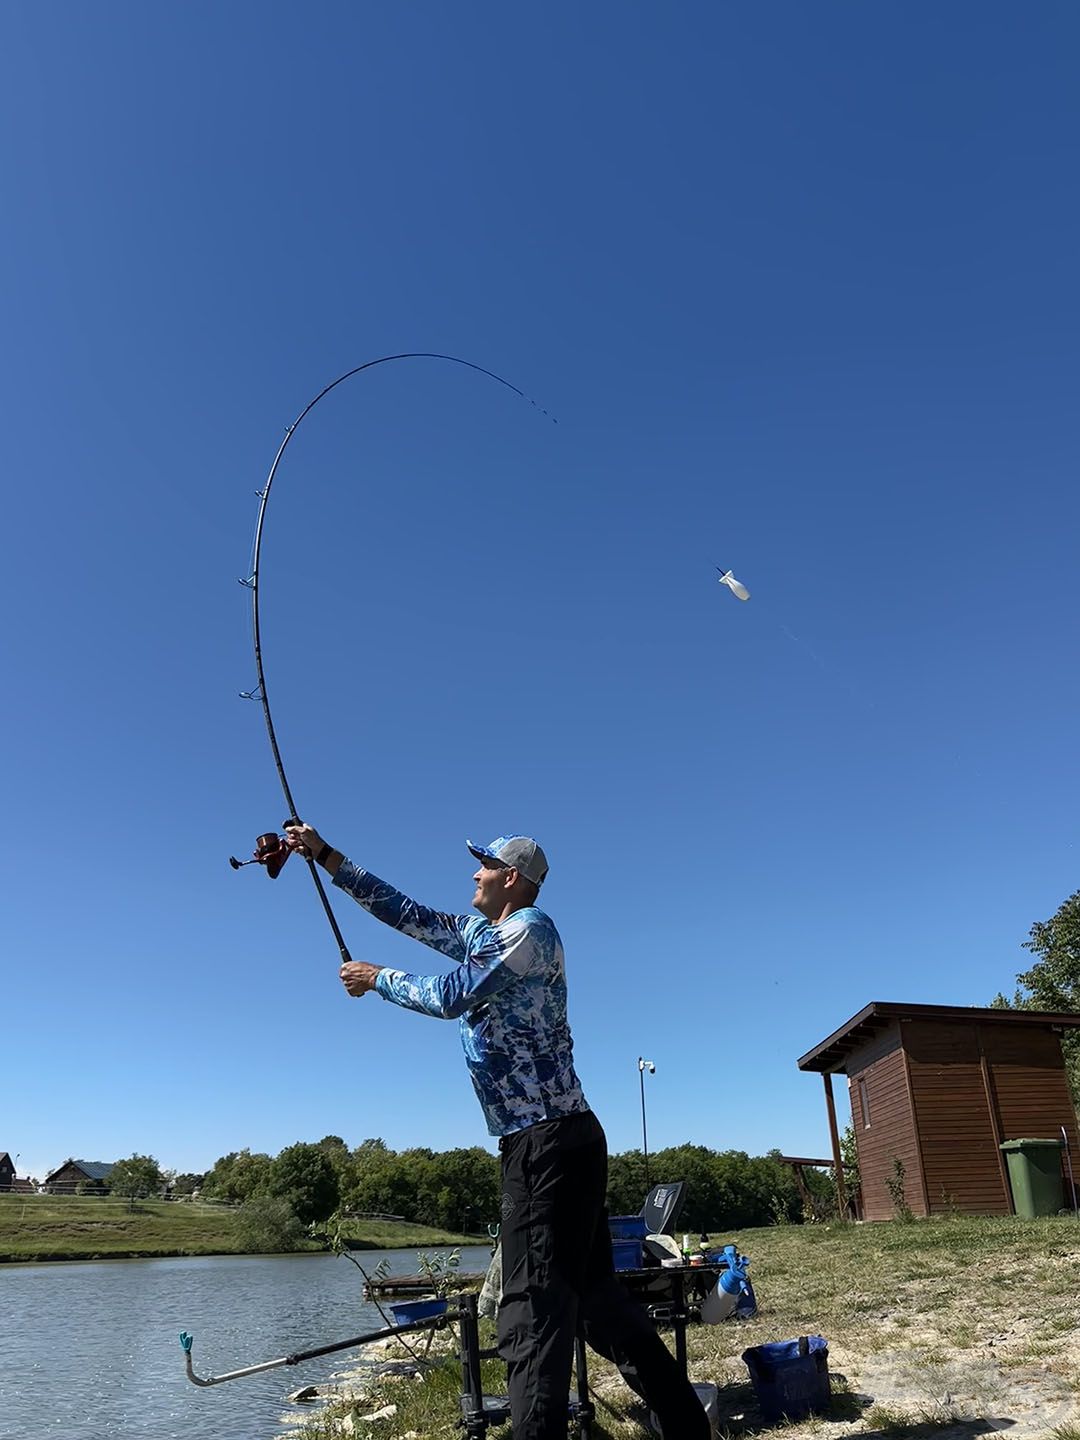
{"x": 271, "y": 851}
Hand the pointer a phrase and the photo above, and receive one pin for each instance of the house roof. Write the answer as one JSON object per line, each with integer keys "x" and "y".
{"x": 5, "y": 1156}
{"x": 833, "y": 1052}
{"x": 92, "y": 1169}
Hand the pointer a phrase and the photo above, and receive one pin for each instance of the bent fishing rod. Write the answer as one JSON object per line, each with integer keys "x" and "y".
{"x": 271, "y": 850}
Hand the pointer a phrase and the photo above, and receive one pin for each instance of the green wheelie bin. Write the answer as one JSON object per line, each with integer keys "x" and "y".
{"x": 1035, "y": 1176}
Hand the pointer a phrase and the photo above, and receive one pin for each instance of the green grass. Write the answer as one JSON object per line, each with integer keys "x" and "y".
{"x": 887, "y": 1419}
{"x": 78, "y": 1227}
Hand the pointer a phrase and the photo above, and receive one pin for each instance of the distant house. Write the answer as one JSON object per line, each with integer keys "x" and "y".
{"x": 7, "y": 1171}
{"x": 66, "y": 1179}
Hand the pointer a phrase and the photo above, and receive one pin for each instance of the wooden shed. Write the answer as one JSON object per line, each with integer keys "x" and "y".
{"x": 939, "y": 1087}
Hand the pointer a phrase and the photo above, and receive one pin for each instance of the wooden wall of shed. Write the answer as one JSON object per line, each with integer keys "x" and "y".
{"x": 961, "y": 1161}
{"x": 1030, "y": 1089}
{"x": 891, "y": 1133}
{"x": 1029, "y": 1082}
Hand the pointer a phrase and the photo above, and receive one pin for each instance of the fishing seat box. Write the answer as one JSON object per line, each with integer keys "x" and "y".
{"x": 627, "y": 1241}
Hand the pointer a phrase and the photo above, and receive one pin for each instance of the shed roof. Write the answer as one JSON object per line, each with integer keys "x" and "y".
{"x": 833, "y": 1052}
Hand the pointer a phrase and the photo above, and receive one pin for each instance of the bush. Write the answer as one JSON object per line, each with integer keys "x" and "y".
{"x": 268, "y": 1225}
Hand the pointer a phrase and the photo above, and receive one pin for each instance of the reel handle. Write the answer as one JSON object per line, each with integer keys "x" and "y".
{"x": 270, "y": 852}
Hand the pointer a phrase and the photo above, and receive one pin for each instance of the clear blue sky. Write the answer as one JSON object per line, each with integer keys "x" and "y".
{"x": 800, "y": 284}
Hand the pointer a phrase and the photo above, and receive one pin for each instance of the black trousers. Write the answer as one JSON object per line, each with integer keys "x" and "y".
{"x": 557, "y": 1272}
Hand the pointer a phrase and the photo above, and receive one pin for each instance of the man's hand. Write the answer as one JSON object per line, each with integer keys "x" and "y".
{"x": 358, "y": 977}
{"x": 304, "y": 839}
{"x": 307, "y": 841}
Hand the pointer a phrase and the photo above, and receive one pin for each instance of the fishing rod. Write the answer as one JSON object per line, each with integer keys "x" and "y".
{"x": 432, "y": 1322}
{"x": 271, "y": 850}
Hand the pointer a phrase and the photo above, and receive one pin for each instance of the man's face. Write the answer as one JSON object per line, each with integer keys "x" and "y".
{"x": 491, "y": 883}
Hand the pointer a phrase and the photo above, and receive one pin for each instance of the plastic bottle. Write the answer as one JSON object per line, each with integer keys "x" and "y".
{"x": 724, "y": 1296}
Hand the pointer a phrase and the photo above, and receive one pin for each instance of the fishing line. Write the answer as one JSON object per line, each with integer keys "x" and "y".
{"x": 270, "y": 850}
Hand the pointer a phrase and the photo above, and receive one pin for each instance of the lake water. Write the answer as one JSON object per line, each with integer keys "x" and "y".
{"x": 90, "y": 1350}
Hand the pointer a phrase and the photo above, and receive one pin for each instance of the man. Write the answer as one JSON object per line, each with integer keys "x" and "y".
{"x": 508, "y": 986}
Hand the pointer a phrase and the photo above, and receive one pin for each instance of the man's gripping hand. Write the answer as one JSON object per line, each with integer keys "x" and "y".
{"x": 307, "y": 841}
{"x": 358, "y": 977}
{"x": 304, "y": 839}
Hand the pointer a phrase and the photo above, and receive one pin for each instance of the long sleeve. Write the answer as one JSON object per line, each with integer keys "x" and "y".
{"x": 505, "y": 955}
{"x": 446, "y": 933}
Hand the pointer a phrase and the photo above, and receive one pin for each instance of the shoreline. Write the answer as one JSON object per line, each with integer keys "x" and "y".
{"x": 53, "y": 1230}
{"x": 92, "y": 1257}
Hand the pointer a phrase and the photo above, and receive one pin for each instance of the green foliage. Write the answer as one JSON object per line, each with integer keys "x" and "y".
{"x": 626, "y": 1181}
{"x": 725, "y": 1189}
{"x": 236, "y": 1177}
{"x": 457, "y": 1190}
{"x": 894, "y": 1183}
{"x": 304, "y": 1176}
{"x": 337, "y": 1152}
{"x": 440, "y": 1271}
{"x": 136, "y": 1178}
{"x": 1053, "y": 981}
{"x": 849, "y": 1154}
{"x": 268, "y": 1225}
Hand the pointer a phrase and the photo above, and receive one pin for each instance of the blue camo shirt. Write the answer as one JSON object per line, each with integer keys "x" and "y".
{"x": 509, "y": 990}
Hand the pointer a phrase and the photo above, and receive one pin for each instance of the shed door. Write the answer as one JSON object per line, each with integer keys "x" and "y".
{"x": 960, "y": 1157}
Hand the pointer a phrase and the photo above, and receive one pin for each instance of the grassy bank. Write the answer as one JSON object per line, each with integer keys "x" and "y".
{"x": 76, "y": 1227}
{"x": 941, "y": 1330}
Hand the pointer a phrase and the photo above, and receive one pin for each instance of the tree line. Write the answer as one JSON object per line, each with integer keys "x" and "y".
{"x": 458, "y": 1190}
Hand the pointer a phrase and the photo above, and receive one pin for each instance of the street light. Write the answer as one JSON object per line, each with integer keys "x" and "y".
{"x": 642, "y": 1066}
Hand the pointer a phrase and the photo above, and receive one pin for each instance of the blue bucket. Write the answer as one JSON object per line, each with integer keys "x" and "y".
{"x": 408, "y": 1311}
{"x": 627, "y": 1227}
{"x": 791, "y": 1379}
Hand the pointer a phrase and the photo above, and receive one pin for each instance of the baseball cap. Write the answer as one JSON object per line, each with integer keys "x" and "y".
{"x": 519, "y": 851}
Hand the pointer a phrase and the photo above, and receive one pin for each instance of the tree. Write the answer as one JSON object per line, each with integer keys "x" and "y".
{"x": 136, "y": 1177}
{"x": 378, "y": 1182}
{"x": 626, "y": 1182}
{"x": 304, "y": 1176}
{"x": 339, "y": 1155}
{"x": 238, "y": 1176}
{"x": 1053, "y": 982}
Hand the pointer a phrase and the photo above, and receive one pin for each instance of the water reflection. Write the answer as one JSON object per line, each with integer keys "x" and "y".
{"x": 90, "y": 1350}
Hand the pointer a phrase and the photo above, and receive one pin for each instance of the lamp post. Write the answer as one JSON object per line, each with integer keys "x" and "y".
{"x": 642, "y": 1066}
